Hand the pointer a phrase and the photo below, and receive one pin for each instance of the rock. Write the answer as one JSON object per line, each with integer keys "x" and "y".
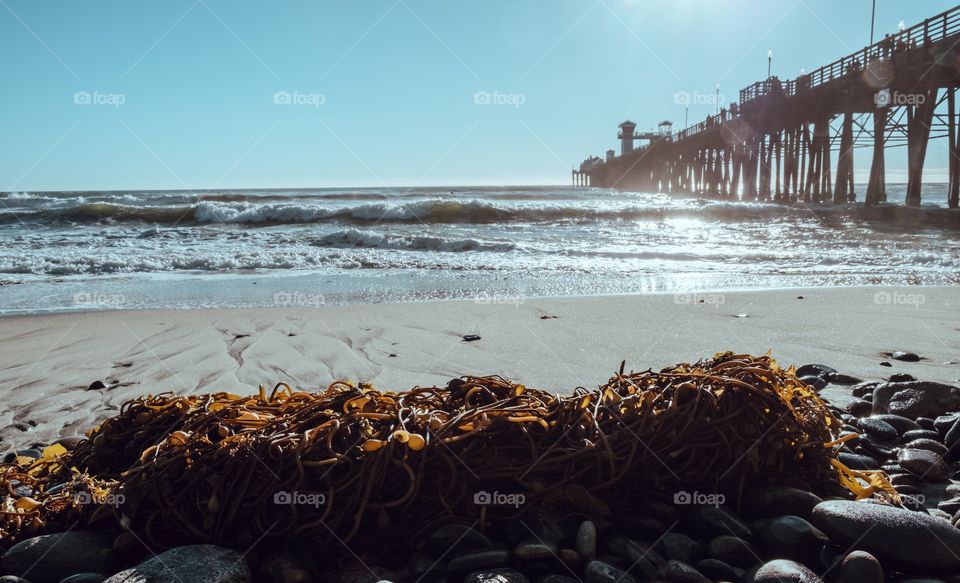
{"x": 194, "y": 563}
{"x": 785, "y": 571}
{"x": 816, "y": 382}
{"x": 96, "y": 386}
{"x": 951, "y": 506}
{"x": 645, "y": 556}
{"x": 929, "y": 445}
{"x": 711, "y": 521}
{"x": 951, "y": 439}
{"x": 863, "y": 388}
{"x": 843, "y": 379}
{"x": 791, "y": 537}
{"x": 285, "y": 567}
{"x": 680, "y": 572}
{"x": 558, "y": 579}
{"x": 859, "y": 407}
{"x": 456, "y": 537}
{"x": 919, "y": 434}
{"x": 571, "y": 559}
{"x": 534, "y": 550}
{"x": 923, "y": 463}
{"x": 878, "y": 428}
{"x": 905, "y": 356}
{"x": 923, "y": 398}
{"x": 496, "y": 576}
{"x": 925, "y": 423}
{"x": 875, "y": 449}
{"x": 71, "y": 442}
{"x": 13, "y": 579}
{"x": 85, "y": 578}
{"x": 769, "y": 501}
{"x": 600, "y": 572}
{"x": 51, "y": 557}
{"x": 901, "y": 424}
{"x": 718, "y": 570}
{"x": 816, "y": 370}
{"x": 900, "y": 377}
{"x": 910, "y": 540}
{"x": 733, "y": 551}
{"x": 860, "y": 567}
{"x": 680, "y": 547}
{"x": 943, "y": 423}
{"x": 858, "y": 462}
{"x": 471, "y": 337}
{"x": 479, "y": 559}
{"x": 885, "y": 363}
{"x": 586, "y": 543}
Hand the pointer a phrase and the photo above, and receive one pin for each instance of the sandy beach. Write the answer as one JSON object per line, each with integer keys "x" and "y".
{"x": 49, "y": 361}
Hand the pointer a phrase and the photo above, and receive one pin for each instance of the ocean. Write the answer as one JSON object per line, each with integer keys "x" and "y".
{"x": 66, "y": 251}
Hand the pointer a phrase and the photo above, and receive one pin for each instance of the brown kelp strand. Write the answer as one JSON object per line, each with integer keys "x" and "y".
{"x": 352, "y": 463}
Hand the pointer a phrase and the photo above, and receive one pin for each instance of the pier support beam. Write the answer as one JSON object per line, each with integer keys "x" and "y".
{"x": 877, "y": 187}
{"x": 953, "y": 190}
{"x": 918, "y": 135}
{"x": 844, "y": 189}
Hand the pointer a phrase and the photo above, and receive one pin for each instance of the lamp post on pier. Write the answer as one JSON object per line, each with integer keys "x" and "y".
{"x": 769, "y": 63}
{"x": 873, "y": 15}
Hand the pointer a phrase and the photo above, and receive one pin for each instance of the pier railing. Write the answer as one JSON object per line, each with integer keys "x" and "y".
{"x": 931, "y": 30}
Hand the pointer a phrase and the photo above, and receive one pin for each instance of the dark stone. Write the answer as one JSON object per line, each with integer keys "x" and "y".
{"x": 680, "y": 572}
{"x": 791, "y": 537}
{"x": 479, "y": 559}
{"x": 885, "y": 363}
{"x": 586, "y": 544}
{"x": 901, "y": 424}
{"x": 733, "y": 550}
{"x": 859, "y": 407}
{"x": 558, "y": 579}
{"x": 637, "y": 552}
{"x": 52, "y": 557}
{"x": 285, "y": 567}
{"x": 860, "y": 567}
{"x": 496, "y": 576}
{"x": 877, "y": 450}
{"x": 711, "y": 521}
{"x": 640, "y": 526}
{"x": 857, "y": 461}
{"x": 785, "y": 571}
{"x": 843, "y": 379}
{"x": 943, "y": 423}
{"x": 925, "y": 422}
{"x": 905, "y": 480}
{"x": 680, "y": 547}
{"x": 718, "y": 570}
{"x": 878, "y": 428}
{"x": 815, "y": 382}
{"x": 952, "y": 439}
{"x": 905, "y": 356}
{"x": 919, "y": 434}
{"x": 456, "y": 537}
{"x": 194, "y": 563}
{"x": 929, "y": 445}
{"x": 911, "y": 540}
{"x": 923, "y": 398}
{"x": 85, "y": 578}
{"x": 863, "y": 388}
{"x": 951, "y": 506}
{"x": 924, "y": 463}
{"x": 769, "y": 501}
{"x": 816, "y": 370}
{"x": 600, "y": 572}
{"x": 96, "y": 386}
{"x": 535, "y": 550}
{"x": 901, "y": 377}
{"x": 471, "y": 337}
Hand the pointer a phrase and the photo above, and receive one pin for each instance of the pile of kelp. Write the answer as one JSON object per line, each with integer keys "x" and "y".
{"x": 355, "y": 464}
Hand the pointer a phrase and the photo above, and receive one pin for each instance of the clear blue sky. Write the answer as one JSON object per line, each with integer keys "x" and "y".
{"x": 199, "y": 83}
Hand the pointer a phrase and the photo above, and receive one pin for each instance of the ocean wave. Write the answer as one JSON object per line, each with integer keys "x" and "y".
{"x": 355, "y": 238}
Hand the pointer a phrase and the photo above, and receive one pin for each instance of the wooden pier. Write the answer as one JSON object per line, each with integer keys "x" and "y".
{"x": 781, "y": 140}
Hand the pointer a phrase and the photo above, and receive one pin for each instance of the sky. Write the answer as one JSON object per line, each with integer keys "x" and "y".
{"x": 196, "y": 94}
